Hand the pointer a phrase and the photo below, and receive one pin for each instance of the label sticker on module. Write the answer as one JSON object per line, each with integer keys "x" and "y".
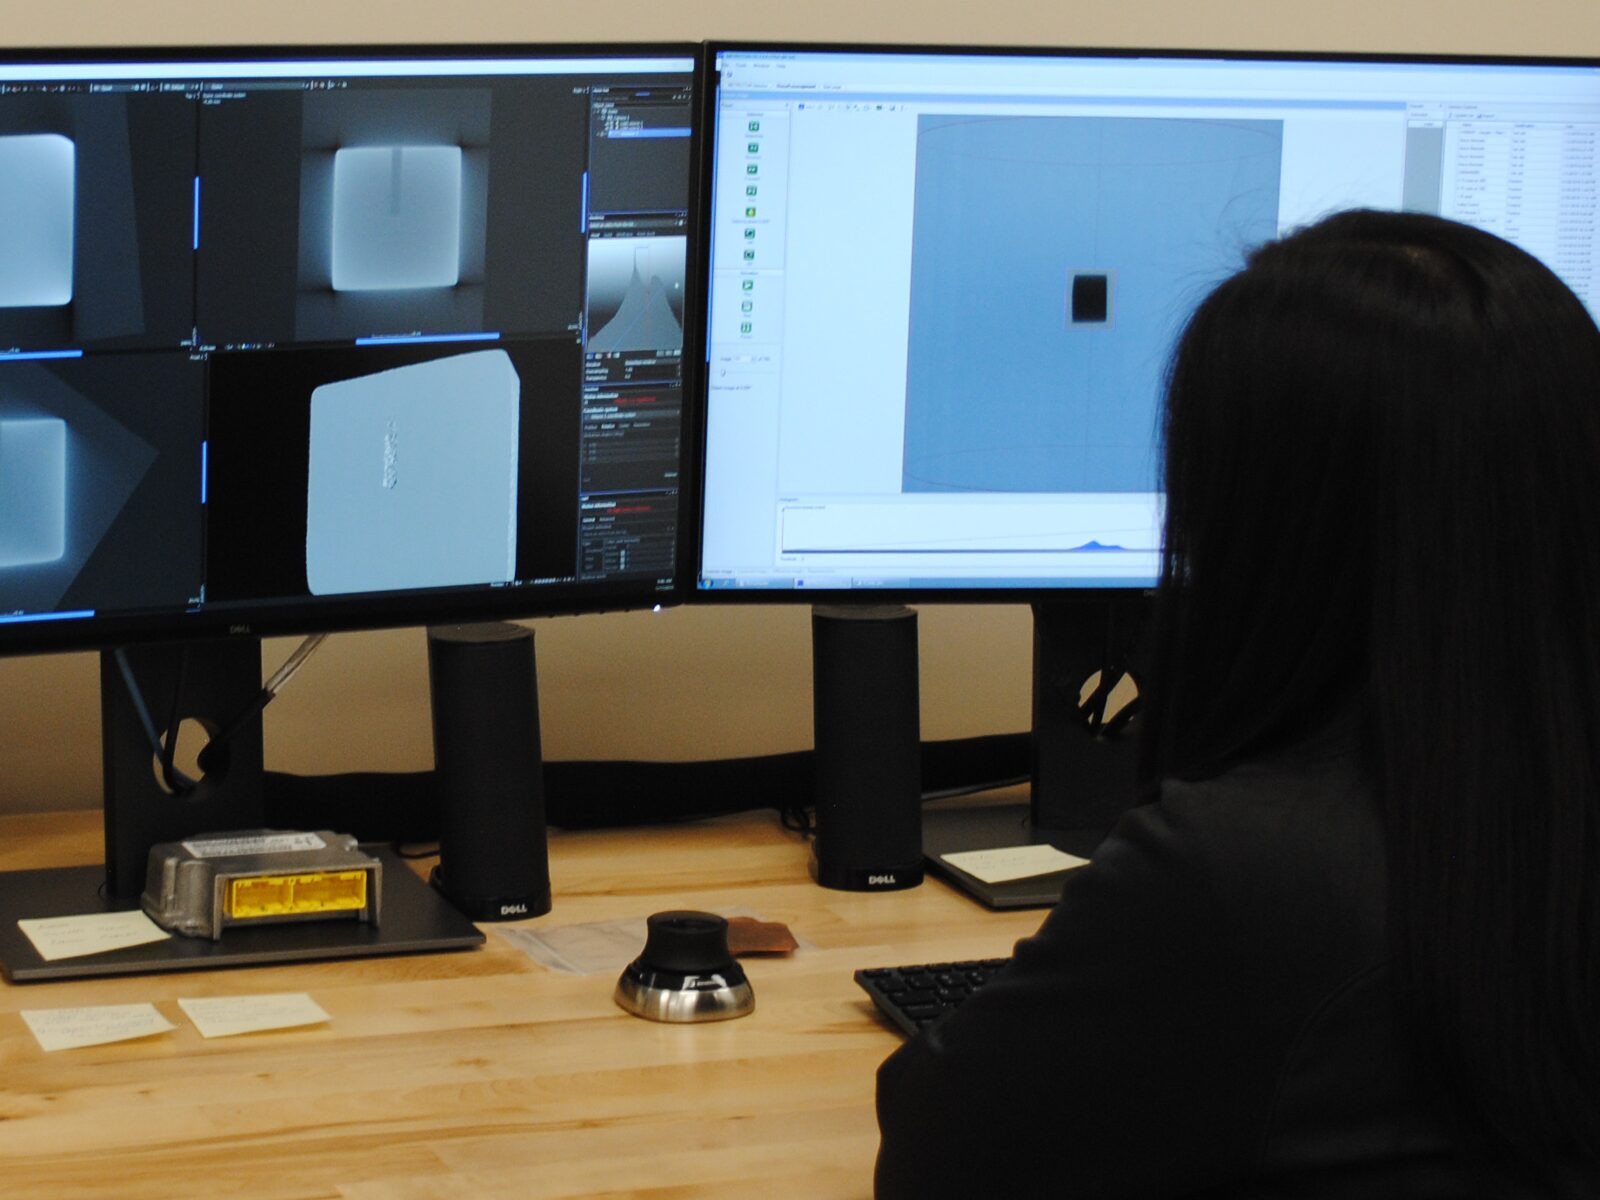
{"x": 270, "y": 843}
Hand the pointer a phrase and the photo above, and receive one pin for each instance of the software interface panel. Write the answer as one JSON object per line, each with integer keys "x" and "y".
{"x": 944, "y": 288}
{"x": 291, "y": 331}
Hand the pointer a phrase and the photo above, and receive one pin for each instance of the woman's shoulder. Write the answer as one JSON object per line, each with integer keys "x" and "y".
{"x": 1272, "y": 855}
{"x": 1183, "y": 962}
{"x": 1309, "y": 805}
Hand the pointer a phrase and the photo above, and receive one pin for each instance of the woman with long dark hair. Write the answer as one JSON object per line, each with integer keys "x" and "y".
{"x": 1351, "y": 944}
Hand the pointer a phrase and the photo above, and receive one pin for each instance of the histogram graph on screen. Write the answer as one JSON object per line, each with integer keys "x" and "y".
{"x": 1117, "y": 535}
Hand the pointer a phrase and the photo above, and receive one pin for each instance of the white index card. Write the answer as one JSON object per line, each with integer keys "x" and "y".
{"x": 90, "y": 933}
{"x": 227, "y": 1016}
{"x": 70, "y": 1028}
{"x": 1006, "y": 863}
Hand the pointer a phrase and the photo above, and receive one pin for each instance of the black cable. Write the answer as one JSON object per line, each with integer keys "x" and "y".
{"x": 973, "y": 789}
{"x": 385, "y": 807}
{"x": 165, "y": 748}
{"x": 209, "y": 756}
{"x": 799, "y": 819}
{"x": 177, "y": 782}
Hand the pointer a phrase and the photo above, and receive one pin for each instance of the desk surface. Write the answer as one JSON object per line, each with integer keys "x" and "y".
{"x": 480, "y": 1073}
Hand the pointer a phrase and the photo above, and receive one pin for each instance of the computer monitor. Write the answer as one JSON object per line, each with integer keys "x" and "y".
{"x": 944, "y": 286}
{"x": 309, "y": 339}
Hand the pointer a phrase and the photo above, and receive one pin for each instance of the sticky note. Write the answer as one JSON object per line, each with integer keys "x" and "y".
{"x": 91, "y": 933}
{"x": 69, "y": 1028}
{"x": 227, "y": 1016}
{"x": 1006, "y": 863}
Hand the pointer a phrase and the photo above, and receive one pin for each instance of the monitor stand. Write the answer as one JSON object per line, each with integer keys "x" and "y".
{"x": 1085, "y": 756}
{"x": 212, "y": 683}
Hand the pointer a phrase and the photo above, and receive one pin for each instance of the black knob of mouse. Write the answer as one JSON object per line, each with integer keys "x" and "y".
{"x": 686, "y": 943}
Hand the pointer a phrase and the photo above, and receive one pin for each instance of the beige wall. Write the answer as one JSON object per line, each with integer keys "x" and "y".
{"x": 1523, "y": 26}
{"x": 704, "y": 682}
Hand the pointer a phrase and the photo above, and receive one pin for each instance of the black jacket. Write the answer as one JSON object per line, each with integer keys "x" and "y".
{"x": 1207, "y": 1012}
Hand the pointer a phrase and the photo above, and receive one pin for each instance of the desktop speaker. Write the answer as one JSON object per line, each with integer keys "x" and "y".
{"x": 488, "y": 773}
{"x": 868, "y": 747}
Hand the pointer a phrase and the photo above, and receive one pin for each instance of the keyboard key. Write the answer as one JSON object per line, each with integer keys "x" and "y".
{"x": 914, "y": 997}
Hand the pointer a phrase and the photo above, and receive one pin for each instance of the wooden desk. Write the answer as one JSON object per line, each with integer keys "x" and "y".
{"x": 480, "y": 1073}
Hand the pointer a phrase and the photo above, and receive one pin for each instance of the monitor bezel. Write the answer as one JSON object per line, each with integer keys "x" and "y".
{"x": 695, "y": 591}
{"x": 276, "y": 616}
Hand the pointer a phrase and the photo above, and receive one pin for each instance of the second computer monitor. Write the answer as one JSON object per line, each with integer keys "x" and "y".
{"x": 944, "y": 285}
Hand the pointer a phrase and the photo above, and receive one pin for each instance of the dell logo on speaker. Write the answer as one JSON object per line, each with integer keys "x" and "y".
{"x": 880, "y": 880}
{"x": 508, "y": 910}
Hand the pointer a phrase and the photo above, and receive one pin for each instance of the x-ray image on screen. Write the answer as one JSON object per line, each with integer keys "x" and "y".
{"x": 37, "y": 191}
{"x": 396, "y": 218}
{"x": 412, "y": 479}
{"x": 1053, "y": 262}
{"x": 96, "y": 220}
{"x": 393, "y": 212}
{"x": 636, "y": 293}
{"x": 33, "y": 491}
{"x": 68, "y": 469}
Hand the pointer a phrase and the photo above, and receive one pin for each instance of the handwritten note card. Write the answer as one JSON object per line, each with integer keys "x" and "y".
{"x": 226, "y": 1016}
{"x": 69, "y": 1028}
{"x": 1012, "y": 862}
{"x": 91, "y": 933}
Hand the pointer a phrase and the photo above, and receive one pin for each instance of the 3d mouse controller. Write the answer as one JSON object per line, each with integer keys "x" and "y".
{"x": 685, "y": 972}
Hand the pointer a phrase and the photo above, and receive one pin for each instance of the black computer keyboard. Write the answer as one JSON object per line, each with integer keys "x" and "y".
{"x": 917, "y": 996}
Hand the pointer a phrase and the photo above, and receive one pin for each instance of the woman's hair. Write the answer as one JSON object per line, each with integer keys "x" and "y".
{"x": 1383, "y": 507}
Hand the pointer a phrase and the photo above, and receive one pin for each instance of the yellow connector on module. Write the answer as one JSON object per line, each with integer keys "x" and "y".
{"x": 204, "y": 885}
{"x": 295, "y": 895}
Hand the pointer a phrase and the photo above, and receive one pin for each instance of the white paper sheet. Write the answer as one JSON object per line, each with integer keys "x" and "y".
{"x": 1005, "y": 863}
{"x": 90, "y": 933}
{"x": 226, "y": 1016}
{"x": 70, "y": 1028}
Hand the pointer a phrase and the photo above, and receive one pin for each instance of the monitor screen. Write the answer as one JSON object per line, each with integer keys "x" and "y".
{"x": 317, "y": 339}
{"x": 944, "y": 286}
